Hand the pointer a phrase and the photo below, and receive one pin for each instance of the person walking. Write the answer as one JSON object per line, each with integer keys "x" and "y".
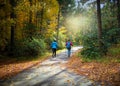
{"x": 54, "y": 46}
{"x": 68, "y": 46}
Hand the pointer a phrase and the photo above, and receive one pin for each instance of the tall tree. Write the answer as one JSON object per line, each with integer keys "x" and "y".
{"x": 99, "y": 24}
{"x": 13, "y": 16}
{"x": 5, "y": 10}
{"x": 118, "y": 5}
{"x": 41, "y": 15}
{"x": 58, "y": 20}
{"x": 30, "y": 16}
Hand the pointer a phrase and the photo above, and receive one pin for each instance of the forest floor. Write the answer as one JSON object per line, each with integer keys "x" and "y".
{"x": 105, "y": 69}
{"x": 97, "y": 71}
{"x": 104, "y": 72}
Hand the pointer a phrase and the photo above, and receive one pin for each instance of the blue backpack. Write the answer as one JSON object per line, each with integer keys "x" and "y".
{"x": 68, "y": 45}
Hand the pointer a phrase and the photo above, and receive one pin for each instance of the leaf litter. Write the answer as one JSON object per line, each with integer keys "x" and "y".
{"x": 96, "y": 71}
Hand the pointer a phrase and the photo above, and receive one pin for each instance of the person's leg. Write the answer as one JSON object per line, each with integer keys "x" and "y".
{"x": 52, "y": 52}
{"x": 69, "y": 52}
{"x": 55, "y": 52}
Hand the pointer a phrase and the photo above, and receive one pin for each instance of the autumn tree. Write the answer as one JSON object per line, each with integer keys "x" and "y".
{"x": 25, "y": 18}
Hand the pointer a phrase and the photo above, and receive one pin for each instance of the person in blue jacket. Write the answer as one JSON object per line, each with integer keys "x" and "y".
{"x": 54, "y": 46}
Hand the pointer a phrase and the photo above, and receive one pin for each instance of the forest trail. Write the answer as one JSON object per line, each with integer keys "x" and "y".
{"x": 49, "y": 73}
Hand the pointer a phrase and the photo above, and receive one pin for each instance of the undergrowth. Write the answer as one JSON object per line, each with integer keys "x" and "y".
{"x": 113, "y": 55}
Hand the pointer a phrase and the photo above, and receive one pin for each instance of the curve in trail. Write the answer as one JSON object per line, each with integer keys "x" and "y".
{"x": 50, "y": 73}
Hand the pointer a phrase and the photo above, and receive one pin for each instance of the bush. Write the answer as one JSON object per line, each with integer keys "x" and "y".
{"x": 112, "y": 35}
{"x": 90, "y": 45}
{"x": 90, "y": 42}
{"x": 29, "y": 47}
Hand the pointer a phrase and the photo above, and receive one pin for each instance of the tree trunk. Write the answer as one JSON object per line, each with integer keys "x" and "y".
{"x": 41, "y": 22}
{"x": 30, "y": 20}
{"x": 58, "y": 24}
{"x": 41, "y": 19}
{"x": 99, "y": 24}
{"x": 118, "y": 17}
{"x": 30, "y": 16}
{"x": 13, "y": 16}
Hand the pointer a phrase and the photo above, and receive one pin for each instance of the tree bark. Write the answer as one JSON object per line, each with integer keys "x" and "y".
{"x": 118, "y": 5}
{"x": 13, "y": 16}
{"x": 58, "y": 20}
{"x": 99, "y": 24}
{"x": 41, "y": 19}
{"x": 30, "y": 20}
{"x": 30, "y": 16}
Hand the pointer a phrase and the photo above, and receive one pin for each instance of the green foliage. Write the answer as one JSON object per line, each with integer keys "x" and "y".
{"x": 30, "y": 47}
{"x": 112, "y": 56}
{"x": 112, "y": 35}
{"x": 90, "y": 42}
{"x": 109, "y": 16}
{"x": 90, "y": 45}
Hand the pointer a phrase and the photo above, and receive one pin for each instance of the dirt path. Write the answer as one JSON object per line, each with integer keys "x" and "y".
{"x": 49, "y": 73}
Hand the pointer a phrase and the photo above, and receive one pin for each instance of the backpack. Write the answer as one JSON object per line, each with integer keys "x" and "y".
{"x": 68, "y": 45}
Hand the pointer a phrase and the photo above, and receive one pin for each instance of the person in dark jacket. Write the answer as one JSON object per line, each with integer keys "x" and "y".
{"x": 54, "y": 46}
